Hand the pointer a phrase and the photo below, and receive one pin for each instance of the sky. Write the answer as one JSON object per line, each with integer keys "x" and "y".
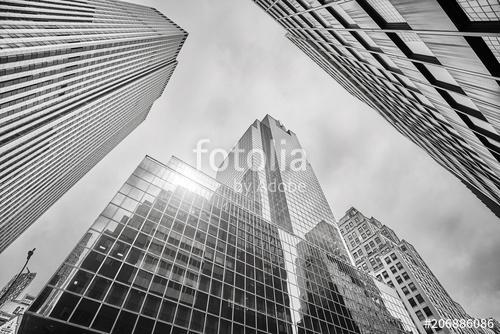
{"x": 237, "y": 66}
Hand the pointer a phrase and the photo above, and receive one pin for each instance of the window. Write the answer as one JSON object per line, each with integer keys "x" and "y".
{"x": 65, "y": 305}
{"x": 406, "y": 276}
{"x": 105, "y": 318}
{"x": 385, "y": 9}
{"x": 427, "y": 311}
{"x": 92, "y": 261}
{"x": 117, "y": 294}
{"x": 125, "y": 322}
{"x": 85, "y": 312}
{"x": 412, "y": 286}
{"x": 399, "y": 280}
{"x": 134, "y": 300}
{"x": 493, "y": 43}
{"x": 384, "y": 274}
{"x": 441, "y": 74}
{"x": 79, "y": 282}
{"x": 399, "y": 266}
{"x": 98, "y": 288}
{"x": 387, "y": 260}
{"x": 419, "y": 298}
{"x": 412, "y": 302}
{"x": 415, "y": 44}
{"x": 393, "y": 269}
{"x": 405, "y": 290}
{"x": 393, "y": 256}
{"x": 151, "y": 306}
{"x": 486, "y": 10}
{"x": 420, "y": 315}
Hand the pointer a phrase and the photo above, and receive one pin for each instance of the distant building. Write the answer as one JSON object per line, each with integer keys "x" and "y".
{"x": 11, "y": 313}
{"x": 430, "y": 68}
{"x": 377, "y": 249}
{"x": 15, "y": 287}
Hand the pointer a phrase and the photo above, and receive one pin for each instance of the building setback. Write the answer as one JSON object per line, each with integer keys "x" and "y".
{"x": 75, "y": 79}
{"x": 376, "y": 249}
{"x": 431, "y": 68}
{"x": 178, "y": 251}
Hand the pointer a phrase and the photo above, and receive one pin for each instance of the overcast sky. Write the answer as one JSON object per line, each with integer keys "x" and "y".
{"x": 237, "y": 66}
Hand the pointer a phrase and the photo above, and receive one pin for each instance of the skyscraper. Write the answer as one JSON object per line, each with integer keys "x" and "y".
{"x": 76, "y": 78}
{"x": 429, "y": 67}
{"x": 178, "y": 251}
{"x": 377, "y": 249}
{"x": 15, "y": 287}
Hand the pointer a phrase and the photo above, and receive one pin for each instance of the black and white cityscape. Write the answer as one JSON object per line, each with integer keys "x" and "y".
{"x": 266, "y": 166}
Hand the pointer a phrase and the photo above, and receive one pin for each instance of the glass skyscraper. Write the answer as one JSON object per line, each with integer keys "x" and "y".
{"x": 431, "y": 68}
{"x": 76, "y": 77}
{"x": 177, "y": 251}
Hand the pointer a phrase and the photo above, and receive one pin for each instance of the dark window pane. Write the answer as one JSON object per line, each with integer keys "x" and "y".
{"x": 187, "y": 296}
{"x": 182, "y": 316}
{"x": 214, "y": 305}
{"x": 143, "y": 279}
{"x": 128, "y": 235}
{"x": 105, "y": 318}
{"x": 211, "y": 325}
{"x": 98, "y": 288}
{"x": 158, "y": 285}
{"x": 173, "y": 290}
{"x": 177, "y": 330}
{"x": 142, "y": 241}
{"x": 92, "y": 261}
{"x": 134, "y": 300}
{"x": 162, "y": 328}
{"x": 79, "y": 282}
{"x": 164, "y": 268}
{"x": 167, "y": 311}
{"x": 151, "y": 306}
{"x": 119, "y": 250}
{"x": 117, "y": 294}
{"x": 110, "y": 268}
{"x": 135, "y": 256}
{"x": 224, "y": 326}
{"x": 197, "y": 321}
{"x": 216, "y": 288}
{"x": 201, "y": 300}
{"x": 85, "y": 312}
{"x": 126, "y": 274}
{"x": 125, "y": 323}
{"x": 65, "y": 305}
{"x": 104, "y": 244}
{"x": 144, "y": 326}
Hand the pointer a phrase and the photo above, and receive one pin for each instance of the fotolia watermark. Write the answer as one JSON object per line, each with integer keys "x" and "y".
{"x": 277, "y": 156}
{"x": 274, "y": 157}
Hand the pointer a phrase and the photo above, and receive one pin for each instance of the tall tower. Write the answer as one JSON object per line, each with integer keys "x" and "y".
{"x": 177, "y": 251}
{"x": 377, "y": 250}
{"x": 76, "y": 78}
{"x": 269, "y": 160}
{"x": 431, "y": 68}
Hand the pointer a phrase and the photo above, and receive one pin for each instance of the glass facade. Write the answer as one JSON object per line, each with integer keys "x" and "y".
{"x": 430, "y": 70}
{"x": 76, "y": 78}
{"x": 179, "y": 252}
